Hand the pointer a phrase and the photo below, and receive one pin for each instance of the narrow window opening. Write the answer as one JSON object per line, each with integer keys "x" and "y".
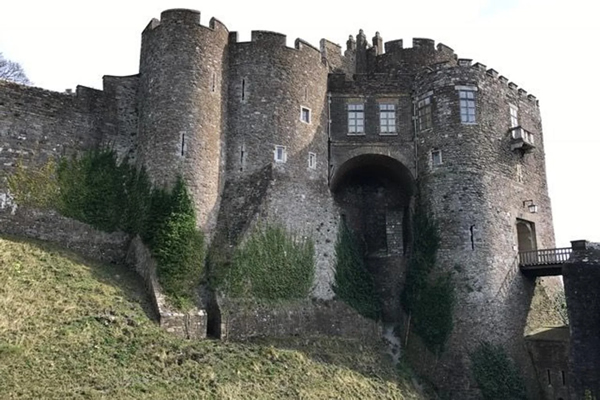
{"x": 514, "y": 116}
{"x": 564, "y": 378}
{"x": 549, "y": 377}
{"x": 436, "y": 157}
{"x": 182, "y": 144}
{"x": 424, "y": 113}
{"x": 472, "y": 229}
{"x": 213, "y": 86}
{"x": 242, "y": 154}
{"x": 243, "y": 89}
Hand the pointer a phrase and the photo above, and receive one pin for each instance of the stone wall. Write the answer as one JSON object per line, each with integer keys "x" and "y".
{"x": 581, "y": 276}
{"x": 549, "y": 350}
{"x": 189, "y": 325}
{"x": 67, "y": 233}
{"x": 36, "y": 124}
{"x": 242, "y": 320}
{"x": 121, "y": 110}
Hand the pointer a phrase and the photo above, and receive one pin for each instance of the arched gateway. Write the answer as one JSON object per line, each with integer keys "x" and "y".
{"x": 374, "y": 193}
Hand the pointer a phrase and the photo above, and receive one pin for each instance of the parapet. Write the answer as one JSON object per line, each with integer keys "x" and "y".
{"x": 493, "y": 74}
{"x": 268, "y": 38}
{"x": 330, "y": 48}
{"x": 421, "y": 43}
{"x": 393, "y": 45}
{"x": 274, "y": 40}
{"x": 183, "y": 16}
{"x": 180, "y": 15}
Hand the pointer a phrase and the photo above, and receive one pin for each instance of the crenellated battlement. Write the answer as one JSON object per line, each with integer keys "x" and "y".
{"x": 275, "y": 42}
{"x": 487, "y": 73}
{"x": 418, "y": 44}
{"x": 182, "y": 16}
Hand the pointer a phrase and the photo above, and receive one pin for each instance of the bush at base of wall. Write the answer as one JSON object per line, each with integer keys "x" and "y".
{"x": 496, "y": 374}
{"x": 272, "y": 265}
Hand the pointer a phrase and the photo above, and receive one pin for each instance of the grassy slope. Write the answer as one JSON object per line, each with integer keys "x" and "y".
{"x": 70, "y": 328}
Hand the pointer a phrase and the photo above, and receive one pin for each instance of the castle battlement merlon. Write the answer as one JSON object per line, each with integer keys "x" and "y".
{"x": 493, "y": 74}
{"x": 183, "y": 16}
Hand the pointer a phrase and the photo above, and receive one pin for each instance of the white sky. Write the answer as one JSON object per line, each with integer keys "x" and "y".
{"x": 548, "y": 47}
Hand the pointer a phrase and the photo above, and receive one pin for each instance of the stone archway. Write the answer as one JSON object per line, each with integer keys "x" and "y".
{"x": 526, "y": 237}
{"x": 374, "y": 193}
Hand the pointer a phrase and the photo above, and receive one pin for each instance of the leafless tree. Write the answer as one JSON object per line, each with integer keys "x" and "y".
{"x": 12, "y": 71}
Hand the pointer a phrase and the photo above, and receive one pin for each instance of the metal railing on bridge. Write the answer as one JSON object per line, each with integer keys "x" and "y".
{"x": 545, "y": 256}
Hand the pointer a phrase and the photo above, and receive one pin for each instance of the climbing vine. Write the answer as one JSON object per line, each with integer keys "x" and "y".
{"x": 496, "y": 374}
{"x": 428, "y": 295}
{"x": 353, "y": 282}
{"x": 272, "y": 265}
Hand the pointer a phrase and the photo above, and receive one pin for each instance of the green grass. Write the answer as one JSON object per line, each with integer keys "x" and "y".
{"x": 70, "y": 328}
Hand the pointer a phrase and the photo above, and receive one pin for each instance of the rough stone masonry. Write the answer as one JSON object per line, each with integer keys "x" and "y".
{"x": 309, "y": 136}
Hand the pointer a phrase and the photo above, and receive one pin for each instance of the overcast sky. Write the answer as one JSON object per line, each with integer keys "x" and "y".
{"x": 547, "y": 47}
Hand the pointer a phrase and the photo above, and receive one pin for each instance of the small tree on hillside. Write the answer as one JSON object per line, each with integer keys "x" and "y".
{"x": 12, "y": 71}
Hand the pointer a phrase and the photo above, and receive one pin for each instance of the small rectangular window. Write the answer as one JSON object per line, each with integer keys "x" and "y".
{"x": 467, "y": 106}
{"x": 387, "y": 118}
{"x": 356, "y": 119}
{"x": 183, "y": 147}
{"x": 549, "y": 377}
{"x": 280, "y": 154}
{"x": 514, "y": 116}
{"x": 436, "y": 157}
{"x": 424, "y": 112}
{"x": 564, "y": 378}
{"x": 213, "y": 85}
{"x": 305, "y": 114}
{"x": 243, "y": 89}
{"x": 312, "y": 160}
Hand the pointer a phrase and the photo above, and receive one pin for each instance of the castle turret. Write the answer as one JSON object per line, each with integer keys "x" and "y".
{"x": 182, "y": 117}
{"x": 278, "y": 141}
{"x": 478, "y": 183}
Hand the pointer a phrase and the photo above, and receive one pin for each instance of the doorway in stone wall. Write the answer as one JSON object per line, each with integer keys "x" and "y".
{"x": 526, "y": 238}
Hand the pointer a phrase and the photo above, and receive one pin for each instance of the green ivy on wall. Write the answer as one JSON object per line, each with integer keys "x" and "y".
{"x": 428, "y": 296}
{"x": 353, "y": 282}
{"x": 272, "y": 265}
{"x": 496, "y": 374}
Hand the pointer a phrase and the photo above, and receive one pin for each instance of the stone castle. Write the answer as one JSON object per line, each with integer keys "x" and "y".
{"x": 310, "y": 136}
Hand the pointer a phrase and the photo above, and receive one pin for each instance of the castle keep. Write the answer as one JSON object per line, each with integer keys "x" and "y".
{"x": 312, "y": 136}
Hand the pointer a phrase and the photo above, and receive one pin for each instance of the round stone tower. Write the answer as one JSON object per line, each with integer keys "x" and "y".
{"x": 183, "y": 67}
{"x": 481, "y": 165}
{"x": 277, "y": 142}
